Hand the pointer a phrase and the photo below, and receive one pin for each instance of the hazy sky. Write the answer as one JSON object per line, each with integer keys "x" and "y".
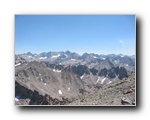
{"x": 101, "y": 34}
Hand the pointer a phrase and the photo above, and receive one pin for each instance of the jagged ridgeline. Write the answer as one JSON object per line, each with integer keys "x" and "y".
{"x": 67, "y": 78}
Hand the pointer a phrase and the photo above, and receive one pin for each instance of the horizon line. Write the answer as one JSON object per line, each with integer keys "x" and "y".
{"x": 79, "y": 53}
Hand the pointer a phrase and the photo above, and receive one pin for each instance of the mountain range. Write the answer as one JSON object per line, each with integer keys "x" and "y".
{"x": 63, "y": 77}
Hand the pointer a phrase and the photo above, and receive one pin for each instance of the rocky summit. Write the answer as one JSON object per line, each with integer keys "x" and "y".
{"x": 67, "y": 78}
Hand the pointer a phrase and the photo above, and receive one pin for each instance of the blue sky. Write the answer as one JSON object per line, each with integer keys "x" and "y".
{"x": 101, "y": 34}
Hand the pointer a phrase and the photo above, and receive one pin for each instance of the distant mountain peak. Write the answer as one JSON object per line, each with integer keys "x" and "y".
{"x": 29, "y": 53}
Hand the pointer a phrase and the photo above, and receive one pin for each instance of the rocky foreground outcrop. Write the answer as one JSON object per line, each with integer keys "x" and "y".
{"x": 25, "y": 96}
{"x": 117, "y": 93}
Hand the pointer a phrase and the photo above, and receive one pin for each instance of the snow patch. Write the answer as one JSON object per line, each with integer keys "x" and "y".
{"x": 115, "y": 61}
{"x": 60, "y": 92}
{"x": 82, "y": 76}
{"x": 17, "y": 64}
{"x": 94, "y": 57}
{"x": 102, "y": 81}
{"x": 44, "y": 83}
{"x": 29, "y": 56}
{"x": 68, "y": 88}
{"x": 121, "y": 55}
{"x": 66, "y": 55}
{"x": 103, "y": 58}
{"x": 127, "y": 65}
{"x": 54, "y": 70}
{"x": 73, "y": 59}
{"x": 109, "y": 82}
{"x": 55, "y": 56}
{"x": 98, "y": 80}
{"x": 43, "y": 58}
{"x": 16, "y": 99}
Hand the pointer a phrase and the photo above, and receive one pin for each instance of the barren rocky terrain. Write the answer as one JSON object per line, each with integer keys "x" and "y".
{"x": 66, "y": 78}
